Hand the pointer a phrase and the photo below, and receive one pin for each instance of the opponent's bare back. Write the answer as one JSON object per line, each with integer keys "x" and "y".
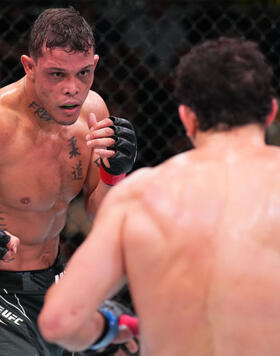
{"x": 207, "y": 235}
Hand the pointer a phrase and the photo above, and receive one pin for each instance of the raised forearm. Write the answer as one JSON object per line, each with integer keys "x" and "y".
{"x": 93, "y": 200}
{"x": 115, "y": 160}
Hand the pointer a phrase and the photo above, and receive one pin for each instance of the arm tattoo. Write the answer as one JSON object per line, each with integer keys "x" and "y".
{"x": 40, "y": 111}
{"x": 97, "y": 162}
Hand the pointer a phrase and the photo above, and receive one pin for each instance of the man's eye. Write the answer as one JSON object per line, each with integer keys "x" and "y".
{"x": 56, "y": 74}
{"x": 84, "y": 72}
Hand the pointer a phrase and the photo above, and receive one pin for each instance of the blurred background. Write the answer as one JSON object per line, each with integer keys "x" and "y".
{"x": 139, "y": 43}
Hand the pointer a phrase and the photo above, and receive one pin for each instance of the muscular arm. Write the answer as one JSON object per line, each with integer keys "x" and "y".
{"x": 114, "y": 152}
{"x": 95, "y": 271}
{"x": 94, "y": 189}
{"x": 94, "y": 197}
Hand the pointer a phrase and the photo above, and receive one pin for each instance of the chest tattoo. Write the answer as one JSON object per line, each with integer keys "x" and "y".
{"x": 77, "y": 171}
{"x": 74, "y": 149}
{"x": 40, "y": 111}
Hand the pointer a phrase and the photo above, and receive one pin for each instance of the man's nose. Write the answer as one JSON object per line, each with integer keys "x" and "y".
{"x": 71, "y": 87}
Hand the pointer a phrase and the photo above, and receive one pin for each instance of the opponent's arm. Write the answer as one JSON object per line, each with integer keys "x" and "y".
{"x": 70, "y": 315}
{"x": 119, "y": 324}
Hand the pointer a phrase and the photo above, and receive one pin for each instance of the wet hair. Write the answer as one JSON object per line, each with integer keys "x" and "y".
{"x": 226, "y": 82}
{"x": 61, "y": 27}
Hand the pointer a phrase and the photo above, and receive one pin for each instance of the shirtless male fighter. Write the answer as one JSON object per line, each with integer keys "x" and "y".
{"x": 198, "y": 236}
{"x": 54, "y": 136}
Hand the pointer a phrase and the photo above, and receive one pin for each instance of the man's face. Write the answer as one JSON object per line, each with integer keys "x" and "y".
{"x": 62, "y": 81}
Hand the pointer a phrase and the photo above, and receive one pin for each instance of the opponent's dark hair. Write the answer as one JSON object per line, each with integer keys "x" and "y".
{"x": 60, "y": 27}
{"x": 226, "y": 82}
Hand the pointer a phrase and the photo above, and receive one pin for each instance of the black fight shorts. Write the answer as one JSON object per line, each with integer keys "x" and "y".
{"x": 21, "y": 299}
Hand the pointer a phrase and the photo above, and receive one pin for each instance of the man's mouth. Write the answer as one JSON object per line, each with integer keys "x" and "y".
{"x": 69, "y": 106}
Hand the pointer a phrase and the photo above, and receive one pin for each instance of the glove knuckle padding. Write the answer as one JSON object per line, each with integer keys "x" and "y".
{"x": 3, "y": 252}
{"x": 123, "y": 132}
{"x": 4, "y": 240}
{"x": 125, "y": 147}
{"x": 118, "y": 121}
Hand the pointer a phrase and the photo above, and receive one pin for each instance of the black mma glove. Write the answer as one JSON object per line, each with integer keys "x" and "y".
{"x": 125, "y": 147}
{"x": 4, "y": 240}
{"x": 112, "y": 311}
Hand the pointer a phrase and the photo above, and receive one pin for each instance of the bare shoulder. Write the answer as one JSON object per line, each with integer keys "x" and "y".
{"x": 157, "y": 174}
{"x": 132, "y": 185}
{"x": 271, "y": 159}
{"x": 10, "y": 98}
{"x": 144, "y": 182}
{"x": 94, "y": 103}
{"x": 273, "y": 151}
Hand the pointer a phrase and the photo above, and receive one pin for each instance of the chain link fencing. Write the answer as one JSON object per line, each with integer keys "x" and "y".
{"x": 139, "y": 43}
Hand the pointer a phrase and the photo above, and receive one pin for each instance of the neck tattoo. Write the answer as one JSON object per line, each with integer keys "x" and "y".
{"x": 39, "y": 111}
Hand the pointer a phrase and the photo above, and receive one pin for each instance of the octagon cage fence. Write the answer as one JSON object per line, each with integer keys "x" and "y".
{"x": 139, "y": 43}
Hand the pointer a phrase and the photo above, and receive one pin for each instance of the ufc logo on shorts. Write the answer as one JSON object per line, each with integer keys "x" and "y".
{"x": 7, "y": 314}
{"x": 58, "y": 277}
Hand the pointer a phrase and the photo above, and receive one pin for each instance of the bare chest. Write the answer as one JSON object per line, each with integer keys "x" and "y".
{"x": 45, "y": 171}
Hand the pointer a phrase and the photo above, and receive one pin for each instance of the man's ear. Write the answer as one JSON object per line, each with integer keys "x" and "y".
{"x": 273, "y": 112}
{"x": 189, "y": 120}
{"x": 95, "y": 60}
{"x": 28, "y": 66}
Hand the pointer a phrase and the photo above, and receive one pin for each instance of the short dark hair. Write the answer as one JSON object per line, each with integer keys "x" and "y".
{"x": 60, "y": 27}
{"x": 226, "y": 82}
